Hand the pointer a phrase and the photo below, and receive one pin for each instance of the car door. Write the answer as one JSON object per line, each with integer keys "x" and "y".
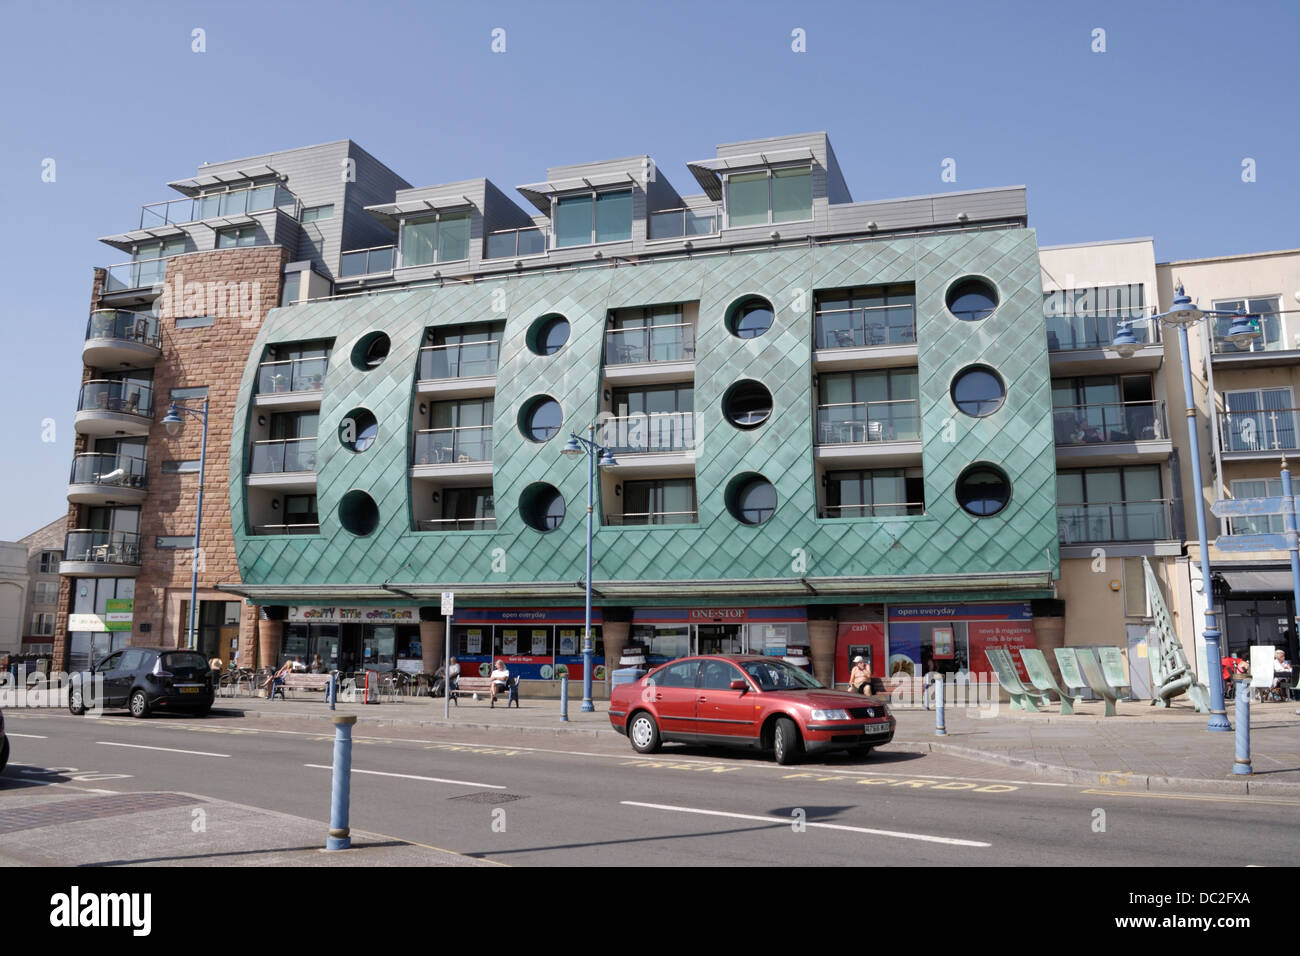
{"x": 105, "y": 682}
{"x": 672, "y": 695}
{"x": 130, "y": 673}
{"x": 721, "y": 711}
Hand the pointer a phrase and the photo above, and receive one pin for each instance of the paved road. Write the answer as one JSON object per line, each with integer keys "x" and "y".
{"x": 591, "y": 801}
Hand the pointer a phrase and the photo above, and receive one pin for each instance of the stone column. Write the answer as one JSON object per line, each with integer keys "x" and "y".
{"x": 270, "y": 637}
{"x": 1049, "y": 630}
{"x": 821, "y": 634}
{"x": 615, "y": 635}
{"x": 432, "y": 639}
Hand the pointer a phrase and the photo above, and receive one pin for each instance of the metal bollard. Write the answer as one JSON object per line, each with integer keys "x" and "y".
{"x": 341, "y": 793}
{"x": 1241, "y": 765}
{"x": 564, "y": 699}
{"x": 939, "y": 693}
{"x": 334, "y": 689}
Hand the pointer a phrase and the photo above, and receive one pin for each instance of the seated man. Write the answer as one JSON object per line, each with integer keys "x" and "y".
{"x": 1281, "y": 673}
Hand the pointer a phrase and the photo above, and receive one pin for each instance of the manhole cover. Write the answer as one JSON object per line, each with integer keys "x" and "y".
{"x": 488, "y": 797}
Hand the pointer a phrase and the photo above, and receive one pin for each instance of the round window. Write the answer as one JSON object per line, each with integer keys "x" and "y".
{"x": 358, "y": 429}
{"x": 972, "y": 298}
{"x": 978, "y": 391}
{"x": 751, "y": 499}
{"x": 358, "y": 513}
{"x": 370, "y": 351}
{"x": 983, "y": 490}
{"x": 548, "y": 334}
{"x": 747, "y": 404}
{"x": 541, "y": 506}
{"x": 540, "y": 418}
{"x": 750, "y": 317}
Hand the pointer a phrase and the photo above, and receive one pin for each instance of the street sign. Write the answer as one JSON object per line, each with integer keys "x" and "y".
{"x": 1251, "y": 507}
{"x": 448, "y": 603}
{"x": 1256, "y": 542}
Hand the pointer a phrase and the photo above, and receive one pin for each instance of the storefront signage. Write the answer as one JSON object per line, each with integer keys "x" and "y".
{"x": 353, "y": 615}
{"x": 118, "y": 614}
{"x": 962, "y": 612}
{"x": 549, "y": 615}
{"x": 715, "y": 615}
{"x": 86, "y": 622}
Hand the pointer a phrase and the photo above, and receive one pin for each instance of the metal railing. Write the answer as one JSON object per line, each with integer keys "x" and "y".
{"x": 1102, "y": 424}
{"x": 888, "y": 510}
{"x": 1265, "y": 429}
{"x": 1277, "y": 333}
{"x": 456, "y": 524}
{"x": 305, "y": 528}
{"x": 865, "y": 327}
{"x": 292, "y": 375}
{"x": 104, "y": 547}
{"x": 459, "y": 360}
{"x": 1114, "y": 521}
{"x": 235, "y": 202}
{"x": 650, "y": 343}
{"x": 130, "y": 398}
{"x": 655, "y": 432}
{"x": 283, "y": 454}
{"x": 515, "y": 243}
{"x": 110, "y": 470}
{"x": 1074, "y": 332}
{"x": 376, "y": 260}
{"x": 857, "y": 423}
{"x": 136, "y": 274}
{"x": 683, "y": 223}
{"x": 652, "y": 517}
{"x": 125, "y": 327}
{"x": 443, "y": 446}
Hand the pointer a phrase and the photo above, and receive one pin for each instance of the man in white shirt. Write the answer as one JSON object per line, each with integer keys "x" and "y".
{"x": 500, "y": 680}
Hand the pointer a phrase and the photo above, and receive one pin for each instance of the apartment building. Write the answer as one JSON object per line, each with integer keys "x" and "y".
{"x": 44, "y": 551}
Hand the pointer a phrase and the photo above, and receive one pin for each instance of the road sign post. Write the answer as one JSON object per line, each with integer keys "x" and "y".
{"x": 448, "y": 609}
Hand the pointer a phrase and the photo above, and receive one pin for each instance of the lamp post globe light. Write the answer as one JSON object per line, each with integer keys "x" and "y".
{"x": 175, "y": 424}
{"x": 1244, "y": 328}
{"x": 574, "y": 448}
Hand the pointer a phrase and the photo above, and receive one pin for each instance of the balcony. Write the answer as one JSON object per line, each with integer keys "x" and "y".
{"x": 655, "y": 433}
{"x": 359, "y": 263}
{"x": 283, "y": 456}
{"x": 91, "y": 553}
{"x": 1102, "y": 522}
{"x": 291, "y": 383}
{"x": 456, "y": 524}
{"x": 868, "y": 327}
{"x": 898, "y": 509}
{"x": 1257, "y": 433}
{"x": 114, "y": 408}
{"x": 1081, "y": 343}
{"x": 515, "y": 243}
{"x": 126, "y": 339}
{"x": 236, "y": 202}
{"x": 1116, "y": 433}
{"x": 460, "y": 370}
{"x": 452, "y": 452}
{"x": 1278, "y": 344}
{"x": 684, "y": 223}
{"x": 651, "y": 518}
{"x": 133, "y": 276}
{"x": 874, "y": 433}
{"x": 650, "y": 344}
{"x": 306, "y": 528}
{"x": 104, "y": 479}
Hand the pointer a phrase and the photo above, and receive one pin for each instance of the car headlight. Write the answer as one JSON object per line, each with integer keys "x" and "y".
{"x": 830, "y": 715}
{"x": 888, "y": 712}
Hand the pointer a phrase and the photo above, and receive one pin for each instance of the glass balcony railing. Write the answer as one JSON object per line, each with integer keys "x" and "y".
{"x": 461, "y": 360}
{"x": 445, "y": 446}
{"x": 1269, "y": 429}
{"x": 312, "y": 527}
{"x": 111, "y": 471}
{"x": 1077, "y": 332}
{"x": 1109, "y": 423}
{"x": 1114, "y": 521}
{"x": 130, "y": 398}
{"x": 292, "y": 375}
{"x": 650, "y": 343}
{"x": 652, "y": 518}
{"x": 684, "y": 223}
{"x": 645, "y": 434}
{"x": 236, "y": 202}
{"x": 457, "y": 524}
{"x": 515, "y": 243}
{"x": 136, "y": 274}
{"x": 367, "y": 262}
{"x": 876, "y": 510}
{"x": 857, "y": 423}
{"x": 103, "y": 547}
{"x": 124, "y": 327}
{"x": 281, "y": 455}
{"x": 866, "y": 327}
{"x": 1277, "y": 333}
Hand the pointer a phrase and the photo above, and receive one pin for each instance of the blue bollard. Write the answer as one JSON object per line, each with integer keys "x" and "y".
{"x": 564, "y": 699}
{"x": 1241, "y": 765}
{"x": 334, "y": 688}
{"x": 939, "y": 729}
{"x": 341, "y": 792}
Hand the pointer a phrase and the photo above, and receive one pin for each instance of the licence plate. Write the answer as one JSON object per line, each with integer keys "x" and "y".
{"x": 189, "y": 690}
{"x": 876, "y": 729}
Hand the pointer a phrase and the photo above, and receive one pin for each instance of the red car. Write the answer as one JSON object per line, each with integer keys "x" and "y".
{"x": 746, "y": 701}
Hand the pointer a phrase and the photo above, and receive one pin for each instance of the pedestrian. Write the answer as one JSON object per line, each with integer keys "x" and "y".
{"x": 860, "y": 676}
{"x": 500, "y": 680}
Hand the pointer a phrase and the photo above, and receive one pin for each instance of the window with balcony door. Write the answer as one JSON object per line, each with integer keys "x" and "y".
{"x": 1088, "y": 318}
{"x": 293, "y": 367}
{"x": 442, "y": 237}
{"x": 884, "y": 493}
{"x": 300, "y": 514}
{"x": 462, "y": 351}
{"x": 49, "y": 563}
{"x": 593, "y": 217}
{"x": 865, "y": 316}
{"x": 868, "y": 406}
{"x": 769, "y": 196}
{"x": 1098, "y": 409}
{"x": 1258, "y": 419}
{"x": 1273, "y": 328}
{"x": 656, "y": 334}
{"x": 239, "y": 236}
{"x": 1112, "y": 504}
{"x": 1257, "y": 488}
{"x": 290, "y": 446}
{"x": 661, "y": 501}
{"x": 467, "y": 509}
{"x": 457, "y": 432}
{"x": 650, "y": 419}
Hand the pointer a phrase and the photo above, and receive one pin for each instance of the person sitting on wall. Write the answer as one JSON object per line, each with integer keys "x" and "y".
{"x": 277, "y": 679}
{"x": 860, "y": 676}
{"x": 500, "y": 681}
{"x": 1281, "y": 673}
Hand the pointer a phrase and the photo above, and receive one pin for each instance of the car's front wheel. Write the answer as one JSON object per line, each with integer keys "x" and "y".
{"x": 139, "y": 704}
{"x": 76, "y": 702}
{"x": 4, "y": 753}
{"x": 644, "y": 733}
{"x": 785, "y": 741}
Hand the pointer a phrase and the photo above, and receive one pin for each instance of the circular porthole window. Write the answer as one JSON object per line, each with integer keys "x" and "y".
{"x": 983, "y": 490}
{"x": 747, "y": 404}
{"x": 358, "y": 429}
{"x": 541, "y": 506}
{"x": 358, "y": 513}
{"x": 978, "y": 391}
{"x": 750, "y": 317}
{"x": 548, "y": 334}
{"x": 972, "y": 298}
{"x": 751, "y": 498}
{"x": 540, "y": 418}
{"x": 370, "y": 351}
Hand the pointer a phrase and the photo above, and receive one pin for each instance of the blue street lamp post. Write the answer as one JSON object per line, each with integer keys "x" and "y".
{"x": 573, "y": 448}
{"x": 1183, "y": 314}
{"x": 175, "y": 425}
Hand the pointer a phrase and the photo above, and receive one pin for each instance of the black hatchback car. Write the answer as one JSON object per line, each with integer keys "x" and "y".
{"x": 144, "y": 678}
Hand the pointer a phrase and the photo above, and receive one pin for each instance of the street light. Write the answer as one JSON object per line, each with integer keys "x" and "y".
{"x": 574, "y": 448}
{"x": 175, "y": 424}
{"x": 1184, "y": 313}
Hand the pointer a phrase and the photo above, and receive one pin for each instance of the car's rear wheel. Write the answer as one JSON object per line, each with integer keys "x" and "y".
{"x": 202, "y": 711}
{"x": 785, "y": 741}
{"x": 644, "y": 733}
{"x": 139, "y": 704}
{"x": 76, "y": 702}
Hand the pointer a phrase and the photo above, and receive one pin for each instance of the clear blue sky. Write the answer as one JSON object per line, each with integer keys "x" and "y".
{"x": 1146, "y": 138}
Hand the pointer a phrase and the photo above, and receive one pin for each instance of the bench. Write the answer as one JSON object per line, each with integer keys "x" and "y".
{"x": 1040, "y": 675}
{"x": 1004, "y": 666}
{"x": 483, "y": 685}
{"x": 1091, "y": 666}
{"x": 301, "y": 682}
{"x": 1071, "y": 674}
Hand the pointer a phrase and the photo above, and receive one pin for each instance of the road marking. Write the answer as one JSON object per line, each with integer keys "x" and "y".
{"x": 785, "y": 822}
{"x": 1243, "y": 799}
{"x": 172, "y": 750}
{"x": 411, "y": 776}
{"x": 30, "y": 736}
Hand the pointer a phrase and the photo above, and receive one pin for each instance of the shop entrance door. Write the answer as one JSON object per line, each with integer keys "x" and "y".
{"x": 719, "y": 639}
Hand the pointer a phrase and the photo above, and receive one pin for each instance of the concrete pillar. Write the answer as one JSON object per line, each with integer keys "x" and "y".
{"x": 432, "y": 638}
{"x": 270, "y": 637}
{"x": 821, "y": 634}
{"x": 1049, "y": 633}
{"x": 614, "y": 634}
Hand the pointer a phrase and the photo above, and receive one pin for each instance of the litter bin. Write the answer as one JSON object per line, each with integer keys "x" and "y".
{"x": 627, "y": 675}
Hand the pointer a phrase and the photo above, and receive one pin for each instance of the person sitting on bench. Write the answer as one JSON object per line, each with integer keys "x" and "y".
{"x": 500, "y": 681}
{"x": 277, "y": 679}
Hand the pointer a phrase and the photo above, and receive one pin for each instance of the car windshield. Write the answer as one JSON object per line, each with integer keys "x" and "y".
{"x": 778, "y": 675}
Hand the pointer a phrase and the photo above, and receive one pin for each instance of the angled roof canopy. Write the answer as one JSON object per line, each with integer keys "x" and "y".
{"x": 126, "y": 240}
{"x": 539, "y": 194}
{"x": 391, "y": 212}
{"x": 708, "y": 172}
{"x": 192, "y": 187}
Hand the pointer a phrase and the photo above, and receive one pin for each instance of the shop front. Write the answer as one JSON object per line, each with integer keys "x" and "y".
{"x": 536, "y": 644}
{"x": 668, "y": 633}
{"x": 354, "y": 638}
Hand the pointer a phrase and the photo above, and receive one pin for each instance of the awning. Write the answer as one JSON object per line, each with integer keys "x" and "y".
{"x": 708, "y": 172}
{"x": 192, "y": 187}
{"x": 1240, "y": 581}
{"x": 391, "y": 212}
{"x": 539, "y": 194}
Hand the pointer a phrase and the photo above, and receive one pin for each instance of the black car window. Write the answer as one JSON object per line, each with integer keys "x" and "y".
{"x": 677, "y": 675}
{"x": 133, "y": 659}
{"x": 109, "y": 663}
{"x": 717, "y": 675}
{"x": 180, "y": 659}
